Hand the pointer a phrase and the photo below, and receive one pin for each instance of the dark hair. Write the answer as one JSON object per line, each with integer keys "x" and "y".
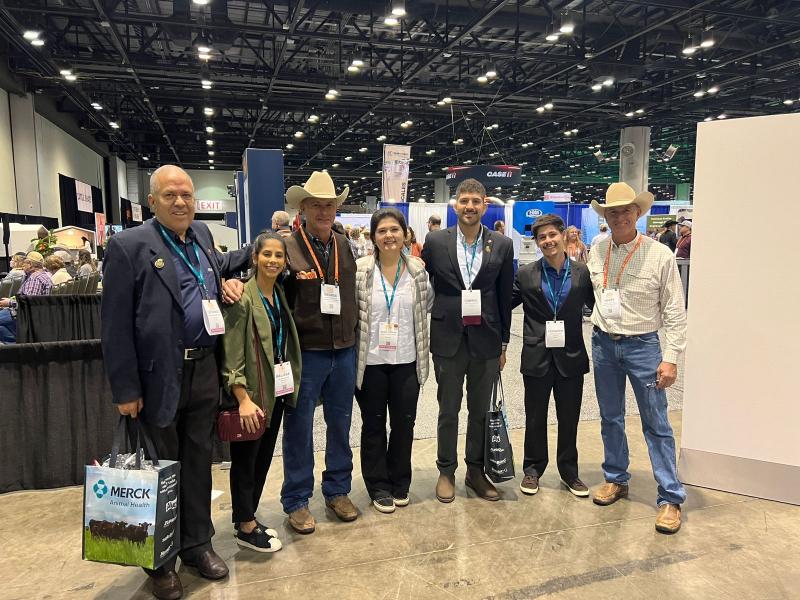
{"x": 386, "y": 213}
{"x": 545, "y": 220}
{"x": 498, "y": 224}
{"x": 435, "y": 220}
{"x": 84, "y": 238}
{"x": 470, "y": 186}
{"x": 338, "y": 227}
{"x": 413, "y": 235}
{"x": 84, "y": 258}
{"x": 261, "y": 239}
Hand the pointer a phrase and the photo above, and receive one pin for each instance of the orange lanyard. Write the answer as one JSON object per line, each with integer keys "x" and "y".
{"x": 624, "y": 262}
{"x": 316, "y": 262}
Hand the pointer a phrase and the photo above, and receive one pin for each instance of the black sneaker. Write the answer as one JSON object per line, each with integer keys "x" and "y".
{"x": 577, "y": 487}
{"x": 529, "y": 485}
{"x": 384, "y": 504}
{"x": 266, "y": 529}
{"x": 258, "y": 540}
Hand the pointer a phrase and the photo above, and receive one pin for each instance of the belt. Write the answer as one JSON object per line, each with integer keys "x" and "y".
{"x": 197, "y": 353}
{"x": 615, "y": 336}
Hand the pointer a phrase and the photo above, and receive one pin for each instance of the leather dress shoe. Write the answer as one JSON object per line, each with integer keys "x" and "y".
{"x": 167, "y": 585}
{"x": 476, "y": 480}
{"x": 208, "y": 564}
{"x": 608, "y": 493}
{"x": 446, "y": 488}
{"x": 669, "y": 518}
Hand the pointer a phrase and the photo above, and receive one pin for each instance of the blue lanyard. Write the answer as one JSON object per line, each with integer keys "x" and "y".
{"x": 390, "y": 302}
{"x": 198, "y": 273}
{"x": 278, "y": 325}
{"x": 555, "y": 297}
{"x": 471, "y": 262}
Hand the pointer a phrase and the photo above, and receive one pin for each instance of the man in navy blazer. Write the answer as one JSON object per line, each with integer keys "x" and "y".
{"x": 472, "y": 273}
{"x": 552, "y": 291}
{"x": 161, "y": 291}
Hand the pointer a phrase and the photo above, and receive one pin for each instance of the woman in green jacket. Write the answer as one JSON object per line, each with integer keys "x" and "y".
{"x": 261, "y": 370}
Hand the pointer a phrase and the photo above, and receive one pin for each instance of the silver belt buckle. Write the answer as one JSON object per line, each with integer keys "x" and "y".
{"x": 186, "y": 354}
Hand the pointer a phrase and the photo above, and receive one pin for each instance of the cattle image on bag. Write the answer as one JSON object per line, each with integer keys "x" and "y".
{"x": 130, "y": 515}
{"x": 498, "y": 460}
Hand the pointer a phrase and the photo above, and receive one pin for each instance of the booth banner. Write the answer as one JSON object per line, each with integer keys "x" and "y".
{"x": 84, "y": 193}
{"x": 558, "y": 196}
{"x": 525, "y": 213}
{"x": 489, "y": 175}
{"x": 136, "y": 212}
{"x": 99, "y": 229}
{"x": 396, "y": 161}
{"x": 657, "y": 221}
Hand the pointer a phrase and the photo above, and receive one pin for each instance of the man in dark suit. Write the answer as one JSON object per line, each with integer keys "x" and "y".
{"x": 160, "y": 323}
{"x": 472, "y": 272}
{"x": 552, "y": 292}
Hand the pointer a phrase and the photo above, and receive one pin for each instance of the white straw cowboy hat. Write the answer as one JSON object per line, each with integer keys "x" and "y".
{"x": 621, "y": 194}
{"x": 319, "y": 186}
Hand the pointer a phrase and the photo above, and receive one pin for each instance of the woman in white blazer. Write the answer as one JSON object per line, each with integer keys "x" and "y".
{"x": 394, "y": 297}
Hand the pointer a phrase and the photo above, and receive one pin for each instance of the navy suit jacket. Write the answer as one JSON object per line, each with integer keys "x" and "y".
{"x": 142, "y": 316}
{"x": 495, "y": 281}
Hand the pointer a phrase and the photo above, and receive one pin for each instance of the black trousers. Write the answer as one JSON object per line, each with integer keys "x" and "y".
{"x": 250, "y": 463}
{"x": 387, "y": 468}
{"x": 189, "y": 439}
{"x": 568, "y": 392}
{"x": 480, "y": 375}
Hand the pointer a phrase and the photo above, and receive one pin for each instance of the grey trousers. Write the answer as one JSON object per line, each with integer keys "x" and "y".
{"x": 450, "y": 373}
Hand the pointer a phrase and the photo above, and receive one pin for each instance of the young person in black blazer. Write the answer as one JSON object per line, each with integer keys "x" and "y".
{"x": 467, "y": 261}
{"x": 554, "y": 355}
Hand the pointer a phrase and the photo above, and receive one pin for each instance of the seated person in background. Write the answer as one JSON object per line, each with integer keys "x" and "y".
{"x": 85, "y": 266}
{"x": 69, "y": 262}
{"x": 37, "y": 283}
{"x": 55, "y": 266}
{"x": 16, "y": 272}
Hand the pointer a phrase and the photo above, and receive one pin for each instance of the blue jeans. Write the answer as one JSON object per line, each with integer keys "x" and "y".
{"x": 330, "y": 374}
{"x": 637, "y": 358}
{"x": 8, "y": 327}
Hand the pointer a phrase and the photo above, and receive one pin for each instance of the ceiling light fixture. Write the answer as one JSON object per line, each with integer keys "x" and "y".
{"x": 707, "y": 39}
{"x": 299, "y": 134}
{"x": 209, "y": 142}
{"x": 381, "y": 138}
{"x": 37, "y": 42}
{"x": 713, "y": 89}
{"x": 206, "y": 82}
{"x": 482, "y": 78}
{"x": 113, "y": 124}
{"x": 608, "y": 82}
{"x": 690, "y": 47}
{"x": 399, "y": 8}
{"x": 722, "y": 116}
{"x": 312, "y": 118}
{"x": 491, "y": 72}
{"x": 567, "y": 24}
{"x": 596, "y": 87}
{"x": 392, "y": 21}
{"x": 348, "y": 158}
{"x": 65, "y": 72}
{"x": 209, "y": 129}
{"x": 211, "y": 153}
{"x": 551, "y": 34}
{"x": 201, "y": 2}
{"x": 289, "y": 146}
{"x": 363, "y": 149}
{"x": 97, "y": 106}
{"x": 31, "y": 34}
{"x": 208, "y": 111}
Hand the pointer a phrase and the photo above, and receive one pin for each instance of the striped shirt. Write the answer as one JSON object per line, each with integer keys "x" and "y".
{"x": 650, "y": 290}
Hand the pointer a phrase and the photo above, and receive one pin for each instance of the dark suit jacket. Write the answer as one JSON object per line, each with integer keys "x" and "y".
{"x": 495, "y": 280}
{"x": 668, "y": 238}
{"x": 571, "y": 360}
{"x": 142, "y": 316}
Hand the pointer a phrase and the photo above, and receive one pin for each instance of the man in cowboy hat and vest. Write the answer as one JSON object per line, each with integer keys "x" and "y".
{"x": 321, "y": 289}
{"x": 637, "y": 292}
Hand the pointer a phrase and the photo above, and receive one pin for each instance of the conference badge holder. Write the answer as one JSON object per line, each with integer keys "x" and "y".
{"x": 284, "y": 380}
{"x": 610, "y": 304}
{"x": 212, "y": 317}
{"x": 388, "y": 339}
{"x": 329, "y": 301}
{"x": 471, "y": 307}
{"x": 554, "y": 334}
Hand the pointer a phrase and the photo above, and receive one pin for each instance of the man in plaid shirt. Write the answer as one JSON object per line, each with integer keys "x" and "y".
{"x": 37, "y": 283}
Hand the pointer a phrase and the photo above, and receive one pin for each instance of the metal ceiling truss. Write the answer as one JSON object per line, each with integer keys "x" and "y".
{"x": 273, "y": 62}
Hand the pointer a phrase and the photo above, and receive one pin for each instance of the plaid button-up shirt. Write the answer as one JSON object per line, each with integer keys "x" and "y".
{"x": 37, "y": 283}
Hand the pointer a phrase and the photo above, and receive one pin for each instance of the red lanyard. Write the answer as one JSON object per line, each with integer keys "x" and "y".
{"x": 624, "y": 262}
{"x": 316, "y": 262}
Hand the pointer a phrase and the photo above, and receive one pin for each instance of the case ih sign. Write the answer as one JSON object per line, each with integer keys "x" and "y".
{"x": 490, "y": 176}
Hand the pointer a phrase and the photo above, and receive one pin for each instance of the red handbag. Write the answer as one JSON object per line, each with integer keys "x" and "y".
{"x": 229, "y": 425}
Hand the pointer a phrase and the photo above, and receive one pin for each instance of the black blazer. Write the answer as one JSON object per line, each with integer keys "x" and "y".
{"x": 142, "y": 316}
{"x": 571, "y": 360}
{"x": 494, "y": 279}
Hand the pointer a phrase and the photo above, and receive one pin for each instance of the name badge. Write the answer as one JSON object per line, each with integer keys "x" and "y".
{"x": 329, "y": 301}
{"x": 388, "y": 337}
{"x": 212, "y": 318}
{"x": 554, "y": 334}
{"x": 284, "y": 380}
{"x": 471, "y": 307}
{"x": 610, "y": 304}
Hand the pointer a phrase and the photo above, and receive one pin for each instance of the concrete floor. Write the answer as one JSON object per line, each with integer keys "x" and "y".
{"x": 551, "y": 545}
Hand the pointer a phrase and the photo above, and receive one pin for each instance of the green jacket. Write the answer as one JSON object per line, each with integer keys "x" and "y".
{"x": 242, "y": 355}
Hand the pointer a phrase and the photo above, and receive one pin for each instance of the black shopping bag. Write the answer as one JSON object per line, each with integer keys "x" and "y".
{"x": 498, "y": 460}
{"x": 130, "y": 505}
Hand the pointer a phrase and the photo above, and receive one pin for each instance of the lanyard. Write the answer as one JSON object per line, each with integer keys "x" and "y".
{"x": 198, "y": 273}
{"x": 555, "y": 297}
{"x": 316, "y": 262}
{"x": 624, "y": 262}
{"x": 276, "y": 323}
{"x": 470, "y": 263}
{"x": 390, "y": 302}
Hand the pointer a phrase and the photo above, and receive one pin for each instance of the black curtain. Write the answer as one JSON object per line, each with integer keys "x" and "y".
{"x": 58, "y": 318}
{"x": 70, "y": 215}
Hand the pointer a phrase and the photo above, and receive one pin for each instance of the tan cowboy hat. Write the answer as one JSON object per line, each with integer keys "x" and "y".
{"x": 621, "y": 194}
{"x": 35, "y": 257}
{"x": 320, "y": 186}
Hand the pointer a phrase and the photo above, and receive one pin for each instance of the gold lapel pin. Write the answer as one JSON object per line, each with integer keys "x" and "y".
{"x": 159, "y": 263}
